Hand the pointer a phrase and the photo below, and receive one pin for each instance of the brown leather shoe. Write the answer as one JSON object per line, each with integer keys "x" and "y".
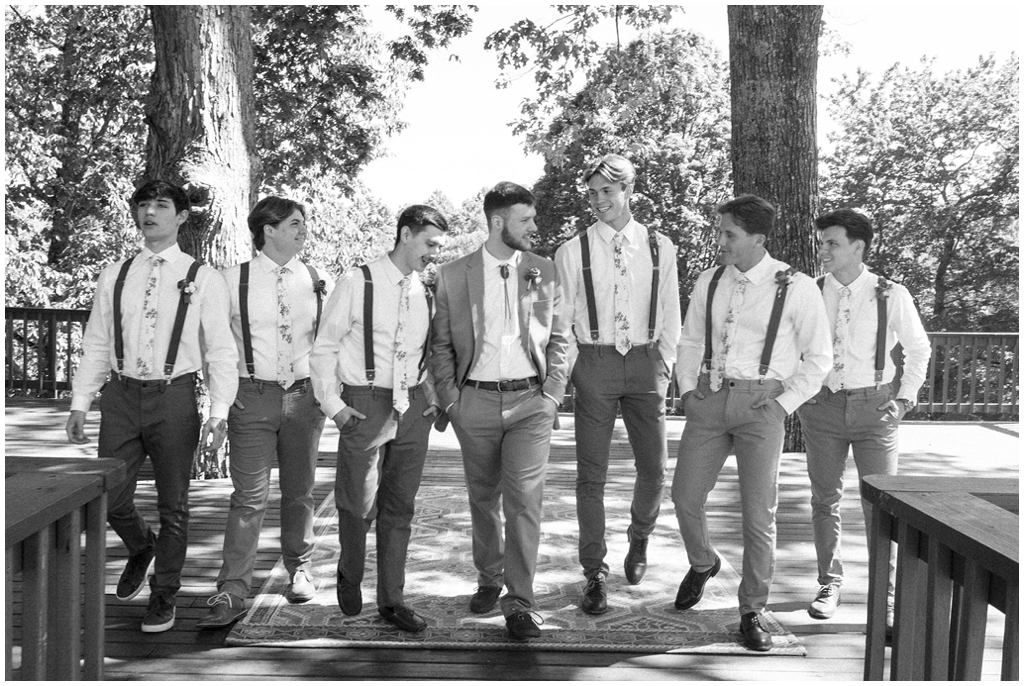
{"x": 691, "y": 590}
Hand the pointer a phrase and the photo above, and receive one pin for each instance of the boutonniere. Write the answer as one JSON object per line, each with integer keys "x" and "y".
{"x": 883, "y": 289}
{"x": 532, "y": 277}
{"x": 429, "y": 277}
{"x": 320, "y": 287}
{"x": 187, "y": 288}
{"x": 784, "y": 277}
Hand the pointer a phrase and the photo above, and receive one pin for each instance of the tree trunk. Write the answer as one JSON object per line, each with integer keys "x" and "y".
{"x": 773, "y": 65}
{"x": 201, "y": 135}
{"x": 201, "y": 123}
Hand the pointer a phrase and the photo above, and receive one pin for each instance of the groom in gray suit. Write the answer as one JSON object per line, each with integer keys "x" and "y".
{"x": 499, "y": 366}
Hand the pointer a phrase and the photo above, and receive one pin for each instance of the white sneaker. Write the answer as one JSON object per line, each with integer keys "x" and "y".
{"x": 824, "y": 604}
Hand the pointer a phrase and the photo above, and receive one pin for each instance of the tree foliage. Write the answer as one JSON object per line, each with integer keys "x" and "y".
{"x": 934, "y": 158}
{"x": 662, "y": 102}
{"x": 560, "y": 51}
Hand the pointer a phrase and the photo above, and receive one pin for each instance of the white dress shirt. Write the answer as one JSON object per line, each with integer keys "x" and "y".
{"x": 637, "y": 251}
{"x": 338, "y": 358}
{"x": 263, "y": 316}
{"x": 206, "y": 340}
{"x": 502, "y": 356}
{"x": 904, "y": 326}
{"x": 802, "y": 355}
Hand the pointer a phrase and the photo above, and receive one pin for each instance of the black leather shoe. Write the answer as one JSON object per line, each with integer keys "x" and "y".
{"x": 136, "y": 571}
{"x": 691, "y": 590}
{"x": 595, "y": 596}
{"x": 636, "y": 558}
{"x": 484, "y": 599}
{"x": 755, "y": 636}
{"x": 521, "y": 626}
{"x": 404, "y": 618}
{"x": 350, "y": 596}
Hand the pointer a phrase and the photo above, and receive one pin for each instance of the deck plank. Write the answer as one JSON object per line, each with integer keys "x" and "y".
{"x": 835, "y": 647}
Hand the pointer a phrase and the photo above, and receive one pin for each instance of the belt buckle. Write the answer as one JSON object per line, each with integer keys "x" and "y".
{"x": 503, "y": 388}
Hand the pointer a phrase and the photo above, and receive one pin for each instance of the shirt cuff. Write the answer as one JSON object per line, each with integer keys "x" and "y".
{"x": 81, "y": 403}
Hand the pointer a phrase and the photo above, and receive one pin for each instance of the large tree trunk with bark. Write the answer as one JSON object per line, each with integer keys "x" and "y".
{"x": 773, "y": 65}
{"x": 201, "y": 123}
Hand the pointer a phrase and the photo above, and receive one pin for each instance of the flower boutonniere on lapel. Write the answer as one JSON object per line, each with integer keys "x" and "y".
{"x": 428, "y": 277}
{"x": 784, "y": 277}
{"x": 884, "y": 289}
{"x": 320, "y": 288}
{"x": 187, "y": 288}
{"x": 532, "y": 277}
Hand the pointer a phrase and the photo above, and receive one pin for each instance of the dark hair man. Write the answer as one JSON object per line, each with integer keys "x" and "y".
{"x": 754, "y": 347}
{"x": 621, "y": 294}
{"x": 499, "y": 364}
{"x": 148, "y": 407}
{"x": 369, "y": 374}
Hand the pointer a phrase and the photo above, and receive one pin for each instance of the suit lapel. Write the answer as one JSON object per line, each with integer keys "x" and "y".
{"x": 525, "y": 302}
{"x": 475, "y": 288}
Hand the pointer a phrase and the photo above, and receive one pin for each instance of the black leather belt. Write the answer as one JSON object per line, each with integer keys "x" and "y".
{"x": 189, "y": 378}
{"x": 512, "y": 385}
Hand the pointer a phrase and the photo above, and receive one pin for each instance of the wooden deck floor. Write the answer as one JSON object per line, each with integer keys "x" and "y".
{"x": 835, "y": 647}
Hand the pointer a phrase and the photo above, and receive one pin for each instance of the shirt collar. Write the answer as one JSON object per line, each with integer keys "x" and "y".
{"x": 294, "y": 265}
{"x": 631, "y": 232}
{"x": 392, "y": 273}
{"x": 761, "y": 271}
{"x": 492, "y": 262}
{"x": 171, "y": 254}
{"x": 864, "y": 280}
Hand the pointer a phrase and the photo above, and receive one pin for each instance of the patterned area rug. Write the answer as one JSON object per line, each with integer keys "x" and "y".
{"x": 440, "y": 579}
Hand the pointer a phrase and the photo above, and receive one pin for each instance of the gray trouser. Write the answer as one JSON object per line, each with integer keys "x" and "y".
{"x": 723, "y": 422}
{"x": 607, "y": 381}
{"x": 832, "y": 424}
{"x": 268, "y": 424}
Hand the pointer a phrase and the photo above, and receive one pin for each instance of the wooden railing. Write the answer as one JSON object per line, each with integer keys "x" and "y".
{"x": 968, "y": 373}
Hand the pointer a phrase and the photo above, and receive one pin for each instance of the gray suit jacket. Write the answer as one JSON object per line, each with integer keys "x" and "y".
{"x": 458, "y": 327}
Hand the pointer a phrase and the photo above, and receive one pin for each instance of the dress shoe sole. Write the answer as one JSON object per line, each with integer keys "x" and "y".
{"x": 594, "y": 610}
{"x": 142, "y": 584}
{"x": 395, "y": 621}
{"x": 220, "y": 623}
{"x": 757, "y": 648}
{"x": 818, "y": 614}
{"x": 482, "y": 609}
{"x": 295, "y": 598}
{"x": 158, "y": 628}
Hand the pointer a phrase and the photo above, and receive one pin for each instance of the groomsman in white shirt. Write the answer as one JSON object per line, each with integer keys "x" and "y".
{"x": 860, "y": 404}
{"x": 148, "y": 406}
{"x": 276, "y": 303}
{"x": 755, "y": 345}
{"x": 370, "y": 376}
{"x": 621, "y": 292}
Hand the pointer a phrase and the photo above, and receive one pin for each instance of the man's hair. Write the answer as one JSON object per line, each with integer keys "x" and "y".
{"x": 418, "y": 218}
{"x": 751, "y": 213}
{"x": 615, "y": 168}
{"x": 503, "y": 196}
{"x": 155, "y": 189}
{"x": 858, "y": 227}
{"x": 271, "y": 210}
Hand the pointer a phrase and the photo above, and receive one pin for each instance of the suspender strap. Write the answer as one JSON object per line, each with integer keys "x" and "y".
{"x": 243, "y": 308}
{"x": 118, "y": 326}
{"x": 179, "y": 322}
{"x": 773, "y": 328}
{"x": 588, "y": 286}
{"x": 883, "y": 324}
{"x": 712, "y": 287}
{"x": 652, "y": 238}
{"x": 371, "y": 371}
{"x": 319, "y": 291}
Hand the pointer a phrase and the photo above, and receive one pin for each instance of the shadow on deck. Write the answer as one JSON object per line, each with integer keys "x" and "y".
{"x": 835, "y": 647}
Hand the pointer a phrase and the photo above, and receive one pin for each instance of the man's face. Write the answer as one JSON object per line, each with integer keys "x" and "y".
{"x": 422, "y": 247}
{"x": 735, "y": 245}
{"x": 837, "y": 252}
{"x": 519, "y": 227}
{"x": 158, "y": 220}
{"x": 609, "y": 200}
{"x": 289, "y": 235}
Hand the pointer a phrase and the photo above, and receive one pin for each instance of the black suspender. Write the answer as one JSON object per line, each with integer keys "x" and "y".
{"x": 883, "y": 324}
{"x": 588, "y": 284}
{"x": 712, "y": 287}
{"x": 179, "y": 319}
{"x": 243, "y": 311}
{"x": 773, "y": 323}
{"x": 371, "y": 371}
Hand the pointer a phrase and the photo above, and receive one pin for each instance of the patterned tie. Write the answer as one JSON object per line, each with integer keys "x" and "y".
{"x": 621, "y": 299}
{"x": 400, "y": 370}
{"x": 732, "y": 319}
{"x": 841, "y": 339}
{"x": 285, "y": 371}
{"x": 145, "y": 362}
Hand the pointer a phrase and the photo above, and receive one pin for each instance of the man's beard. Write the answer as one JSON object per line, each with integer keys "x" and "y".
{"x": 515, "y": 243}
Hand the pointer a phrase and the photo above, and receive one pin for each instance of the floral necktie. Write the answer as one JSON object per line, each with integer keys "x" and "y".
{"x": 400, "y": 370}
{"x": 841, "y": 339}
{"x": 729, "y": 334}
{"x": 147, "y": 340}
{"x": 285, "y": 370}
{"x": 621, "y": 298}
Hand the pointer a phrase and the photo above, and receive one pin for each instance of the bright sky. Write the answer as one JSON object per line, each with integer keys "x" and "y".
{"x": 458, "y": 139}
